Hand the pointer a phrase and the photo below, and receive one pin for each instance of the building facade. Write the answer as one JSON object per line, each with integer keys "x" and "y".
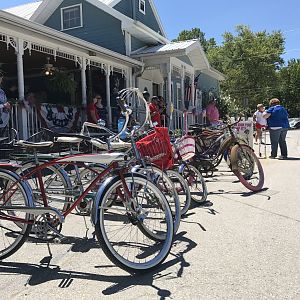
{"x": 106, "y": 45}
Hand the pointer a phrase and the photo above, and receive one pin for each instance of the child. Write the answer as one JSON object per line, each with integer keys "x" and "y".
{"x": 260, "y": 121}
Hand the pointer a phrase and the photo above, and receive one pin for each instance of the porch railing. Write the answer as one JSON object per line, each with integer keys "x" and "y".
{"x": 26, "y": 122}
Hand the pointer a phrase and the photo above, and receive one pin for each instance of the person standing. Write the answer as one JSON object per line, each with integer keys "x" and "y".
{"x": 278, "y": 123}
{"x": 163, "y": 110}
{"x": 154, "y": 112}
{"x": 96, "y": 110}
{"x": 4, "y": 109}
{"x": 212, "y": 113}
{"x": 260, "y": 121}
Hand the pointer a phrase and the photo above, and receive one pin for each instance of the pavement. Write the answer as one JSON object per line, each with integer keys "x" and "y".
{"x": 240, "y": 245}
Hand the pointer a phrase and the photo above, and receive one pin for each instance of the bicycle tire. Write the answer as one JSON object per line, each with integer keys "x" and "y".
{"x": 165, "y": 184}
{"x": 243, "y": 161}
{"x": 56, "y": 188}
{"x": 135, "y": 263}
{"x": 17, "y": 233}
{"x": 196, "y": 182}
{"x": 182, "y": 190}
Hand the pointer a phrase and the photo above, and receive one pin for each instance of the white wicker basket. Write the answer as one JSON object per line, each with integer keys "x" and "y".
{"x": 185, "y": 146}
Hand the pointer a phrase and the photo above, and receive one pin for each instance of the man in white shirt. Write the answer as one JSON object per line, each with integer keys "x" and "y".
{"x": 260, "y": 121}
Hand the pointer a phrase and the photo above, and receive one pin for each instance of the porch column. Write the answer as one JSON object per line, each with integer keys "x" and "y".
{"x": 171, "y": 104}
{"x": 83, "y": 83}
{"x": 21, "y": 90}
{"x": 193, "y": 96}
{"x": 107, "y": 80}
{"x": 182, "y": 85}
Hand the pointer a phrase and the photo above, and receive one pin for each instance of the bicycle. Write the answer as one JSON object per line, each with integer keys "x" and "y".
{"x": 242, "y": 160}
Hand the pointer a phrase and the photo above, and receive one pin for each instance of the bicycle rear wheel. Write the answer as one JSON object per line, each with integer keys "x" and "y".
{"x": 119, "y": 226}
{"x": 13, "y": 233}
{"x": 56, "y": 184}
{"x": 247, "y": 167}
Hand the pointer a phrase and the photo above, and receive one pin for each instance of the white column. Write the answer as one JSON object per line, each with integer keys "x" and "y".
{"x": 170, "y": 100}
{"x": 107, "y": 77}
{"x": 193, "y": 97}
{"x": 128, "y": 43}
{"x": 182, "y": 85}
{"x": 83, "y": 83}
{"x": 21, "y": 90}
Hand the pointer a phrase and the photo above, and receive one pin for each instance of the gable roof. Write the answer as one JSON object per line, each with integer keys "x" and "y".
{"x": 24, "y": 11}
{"x": 191, "y": 48}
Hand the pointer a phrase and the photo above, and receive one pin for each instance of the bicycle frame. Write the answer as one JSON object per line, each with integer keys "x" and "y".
{"x": 37, "y": 172}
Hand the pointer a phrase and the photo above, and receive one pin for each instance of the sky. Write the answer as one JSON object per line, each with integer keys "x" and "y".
{"x": 214, "y": 17}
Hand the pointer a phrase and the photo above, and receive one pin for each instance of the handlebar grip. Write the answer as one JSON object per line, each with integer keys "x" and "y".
{"x": 121, "y": 104}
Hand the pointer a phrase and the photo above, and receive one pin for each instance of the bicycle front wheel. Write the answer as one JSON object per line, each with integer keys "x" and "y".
{"x": 121, "y": 224}
{"x": 247, "y": 167}
{"x": 196, "y": 183}
{"x": 14, "y": 225}
{"x": 182, "y": 190}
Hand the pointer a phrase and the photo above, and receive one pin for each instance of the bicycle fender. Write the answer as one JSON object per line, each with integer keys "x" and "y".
{"x": 96, "y": 203}
{"x": 233, "y": 156}
{"x": 181, "y": 168}
{"x": 25, "y": 184}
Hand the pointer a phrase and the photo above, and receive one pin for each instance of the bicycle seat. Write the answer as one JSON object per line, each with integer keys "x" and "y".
{"x": 27, "y": 144}
{"x": 120, "y": 145}
{"x": 68, "y": 139}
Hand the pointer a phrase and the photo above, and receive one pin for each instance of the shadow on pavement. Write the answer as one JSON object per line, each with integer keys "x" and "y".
{"x": 45, "y": 272}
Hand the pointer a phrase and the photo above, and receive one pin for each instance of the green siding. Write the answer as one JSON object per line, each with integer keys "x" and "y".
{"x": 136, "y": 43}
{"x": 149, "y": 18}
{"x": 185, "y": 59}
{"x": 126, "y": 8}
{"x": 98, "y": 28}
{"x": 207, "y": 83}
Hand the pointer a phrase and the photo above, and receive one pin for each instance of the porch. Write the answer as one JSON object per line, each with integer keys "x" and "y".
{"x": 61, "y": 71}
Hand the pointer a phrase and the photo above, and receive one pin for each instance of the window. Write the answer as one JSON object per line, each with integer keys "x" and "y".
{"x": 142, "y": 6}
{"x": 71, "y": 17}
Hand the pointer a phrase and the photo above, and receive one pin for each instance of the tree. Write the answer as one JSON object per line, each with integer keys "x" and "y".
{"x": 289, "y": 87}
{"x": 196, "y": 33}
{"x": 250, "y": 62}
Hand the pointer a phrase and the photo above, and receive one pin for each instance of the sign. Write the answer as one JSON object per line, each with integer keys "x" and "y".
{"x": 245, "y": 131}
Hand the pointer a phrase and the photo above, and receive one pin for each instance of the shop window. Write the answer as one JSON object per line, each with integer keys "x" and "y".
{"x": 71, "y": 17}
{"x": 142, "y": 6}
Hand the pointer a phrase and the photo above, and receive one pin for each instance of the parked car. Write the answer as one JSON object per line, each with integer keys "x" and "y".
{"x": 294, "y": 123}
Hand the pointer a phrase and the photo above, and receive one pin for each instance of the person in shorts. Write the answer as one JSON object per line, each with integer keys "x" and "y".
{"x": 260, "y": 122}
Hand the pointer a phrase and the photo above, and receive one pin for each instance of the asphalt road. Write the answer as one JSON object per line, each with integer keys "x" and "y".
{"x": 239, "y": 246}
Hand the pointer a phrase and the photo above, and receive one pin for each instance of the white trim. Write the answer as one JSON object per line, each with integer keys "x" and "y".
{"x": 142, "y": 2}
{"x": 62, "y": 17}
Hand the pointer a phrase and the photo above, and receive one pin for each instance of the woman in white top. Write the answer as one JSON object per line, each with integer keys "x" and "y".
{"x": 260, "y": 121}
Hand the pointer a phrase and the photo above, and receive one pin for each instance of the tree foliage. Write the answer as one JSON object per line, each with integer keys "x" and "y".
{"x": 254, "y": 68}
{"x": 250, "y": 61}
{"x": 289, "y": 87}
{"x": 196, "y": 33}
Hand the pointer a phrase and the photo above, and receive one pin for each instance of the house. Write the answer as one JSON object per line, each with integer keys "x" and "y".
{"x": 107, "y": 45}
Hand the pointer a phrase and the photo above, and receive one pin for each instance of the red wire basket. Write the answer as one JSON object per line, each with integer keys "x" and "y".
{"x": 157, "y": 148}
